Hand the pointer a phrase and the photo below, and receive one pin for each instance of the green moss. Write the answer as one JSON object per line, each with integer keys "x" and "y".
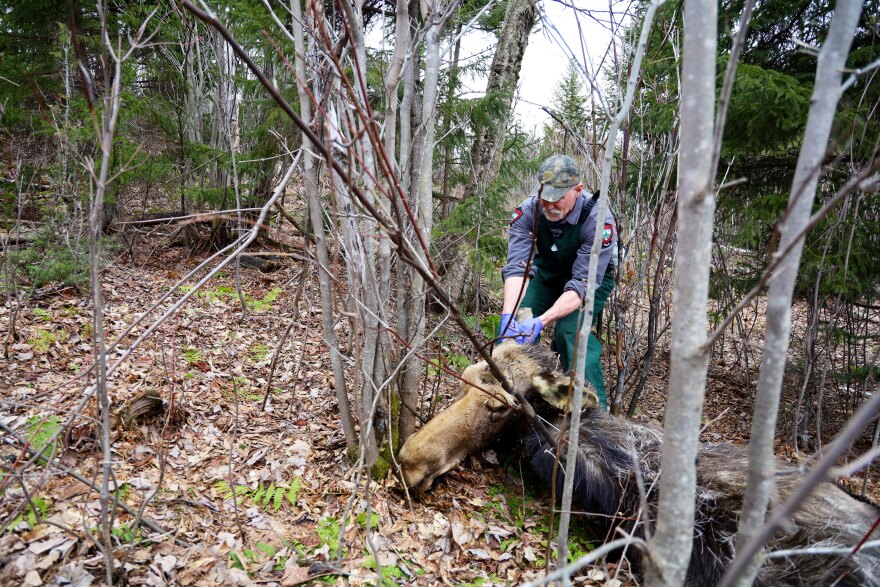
{"x": 353, "y": 452}
{"x": 391, "y": 443}
{"x": 382, "y": 465}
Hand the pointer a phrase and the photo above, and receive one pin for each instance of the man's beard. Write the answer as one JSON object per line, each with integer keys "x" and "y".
{"x": 554, "y": 215}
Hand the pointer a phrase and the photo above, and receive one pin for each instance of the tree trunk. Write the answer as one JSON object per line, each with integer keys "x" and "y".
{"x": 310, "y": 176}
{"x": 826, "y": 93}
{"x": 409, "y": 405}
{"x": 424, "y": 209}
{"x": 408, "y": 118}
{"x": 392, "y": 78}
{"x": 574, "y": 426}
{"x": 409, "y": 151}
{"x": 451, "y": 87}
{"x": 375, "y": 277}
{"x": 671, "y": 545}
{"x": 519, "y": 18}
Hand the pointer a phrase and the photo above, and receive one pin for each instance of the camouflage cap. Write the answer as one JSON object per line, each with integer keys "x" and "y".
{"x": 557, "y": 174}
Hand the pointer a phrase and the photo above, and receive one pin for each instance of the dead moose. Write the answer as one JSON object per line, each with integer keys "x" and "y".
{"x": 605, "y": 477}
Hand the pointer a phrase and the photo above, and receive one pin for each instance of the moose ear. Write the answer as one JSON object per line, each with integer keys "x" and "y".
{"x": 553, "y": 389}
{"x": 591, "y": 400}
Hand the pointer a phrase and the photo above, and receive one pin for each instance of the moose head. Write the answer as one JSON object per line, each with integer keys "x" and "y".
{"x": 482, "y": 411}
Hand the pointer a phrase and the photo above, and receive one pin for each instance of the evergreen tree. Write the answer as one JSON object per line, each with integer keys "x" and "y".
{"x": 570, "y": 113}
{"x": 765, "y": 122}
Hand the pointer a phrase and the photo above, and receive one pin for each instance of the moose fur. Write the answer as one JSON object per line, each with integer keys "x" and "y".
{"x": 605, "y": 486}
{"x": 479, "y": 415}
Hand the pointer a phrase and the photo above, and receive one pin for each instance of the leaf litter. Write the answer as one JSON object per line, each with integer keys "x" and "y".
{"x": 245, "y": 496}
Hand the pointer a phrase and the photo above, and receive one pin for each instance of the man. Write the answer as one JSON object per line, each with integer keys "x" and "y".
{"x": 565, "y": 218}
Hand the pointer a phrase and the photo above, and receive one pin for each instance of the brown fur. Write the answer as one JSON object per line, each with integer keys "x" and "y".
{"x": 482, "y": 411}
{"x": 605, "y": 481}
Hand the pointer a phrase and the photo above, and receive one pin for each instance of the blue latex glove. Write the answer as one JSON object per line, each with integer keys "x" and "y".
{"x": 507, "y": 326}
{"x": 529, "y": 331}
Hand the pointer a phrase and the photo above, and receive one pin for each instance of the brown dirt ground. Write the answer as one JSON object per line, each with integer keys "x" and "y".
{"x": 481, "y": 524}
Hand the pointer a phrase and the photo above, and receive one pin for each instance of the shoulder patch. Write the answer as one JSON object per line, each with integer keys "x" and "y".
{"x": 607, "y": 235}
{"x": 517, "y": 214}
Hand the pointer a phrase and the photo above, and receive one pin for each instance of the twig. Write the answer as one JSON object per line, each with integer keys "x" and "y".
{"x": 820, "y": 550}
{"x": 857, "y": 465}
{"x": 231, "y": 474}
{"x": 841, "y": 444}
{"x": 147, "y": 522}
{"x": 275, "y": 362}
{"x": 140, "y": 513}
{"x": 586, "y": 560}
{"x": 856, "y": 183}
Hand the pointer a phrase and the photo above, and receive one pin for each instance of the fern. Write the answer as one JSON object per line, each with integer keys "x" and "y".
{"x": 264, "y": 497}
{"x": 258, "y": 495}
{"x": 40, "y": 432}
{"x": 37, "y": 509}
{"x": 293, "y": 490}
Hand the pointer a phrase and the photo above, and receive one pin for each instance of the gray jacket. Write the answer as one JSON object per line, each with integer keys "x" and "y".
{"x": 520, "y": 242}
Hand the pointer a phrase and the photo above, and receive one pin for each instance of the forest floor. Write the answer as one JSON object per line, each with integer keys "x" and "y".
{"x": 483, "y": 523}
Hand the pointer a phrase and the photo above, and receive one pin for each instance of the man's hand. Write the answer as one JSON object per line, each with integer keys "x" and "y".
{"x": 529, "y": 330}
{"x": 508, "y": 326}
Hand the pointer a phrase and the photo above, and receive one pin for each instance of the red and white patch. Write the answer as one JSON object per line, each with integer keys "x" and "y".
{"x": 517, "y": 214}
{"x": 607, "y": 235}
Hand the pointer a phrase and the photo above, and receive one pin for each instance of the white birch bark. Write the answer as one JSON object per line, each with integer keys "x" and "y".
{"x": 377, "y": 287}
{"x": 826, "y": 94}
{"x": 408, "y": 395}
{"x": 404, "y": 272}
{"x": 392, "y": 78}
{"x": 587, "y": 307}
{"x": 670, "y": 548}
{"x": 410, "y": 75}
{"x": 424, "y": 209}
{"x": 317, "y": 222}
{"x": 429, "y": 109}
{"x": 361, "y": 275}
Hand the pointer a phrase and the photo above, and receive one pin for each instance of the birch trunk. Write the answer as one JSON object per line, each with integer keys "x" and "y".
{"x": 670, "y": 548}
{"x": 424, "y": 207}
{"x": 409, "y": 151}
{"x": 361, "y": 274}
{"x": 408, "y": 392}
{"x": 410, "y": 77}
{"x": 587, "y": 307}
{"x": 376, "y": 282}
{"x": 451, "y": 86}
{"x": 392, "y": 78}
{"x": 826, "y": 94}
{"x": 314, "y": 204}
{"x": 519, "y": 18}
{"x": 405, "y": 272}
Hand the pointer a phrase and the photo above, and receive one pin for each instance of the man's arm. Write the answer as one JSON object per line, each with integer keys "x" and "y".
{"x": 568, "y": 302}
{"x": 519, "y": 248}
{"x": 512, "y": 287}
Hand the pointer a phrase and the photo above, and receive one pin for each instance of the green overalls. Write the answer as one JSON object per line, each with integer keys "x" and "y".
{"x": 554, "y": 269}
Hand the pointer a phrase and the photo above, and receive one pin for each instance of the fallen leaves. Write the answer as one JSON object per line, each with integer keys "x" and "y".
{"x": 213, "y": 370}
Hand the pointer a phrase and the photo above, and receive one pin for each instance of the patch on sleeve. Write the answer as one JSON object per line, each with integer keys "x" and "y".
{"x": 607, "y": 235}
{"x": 517, "y": 214}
